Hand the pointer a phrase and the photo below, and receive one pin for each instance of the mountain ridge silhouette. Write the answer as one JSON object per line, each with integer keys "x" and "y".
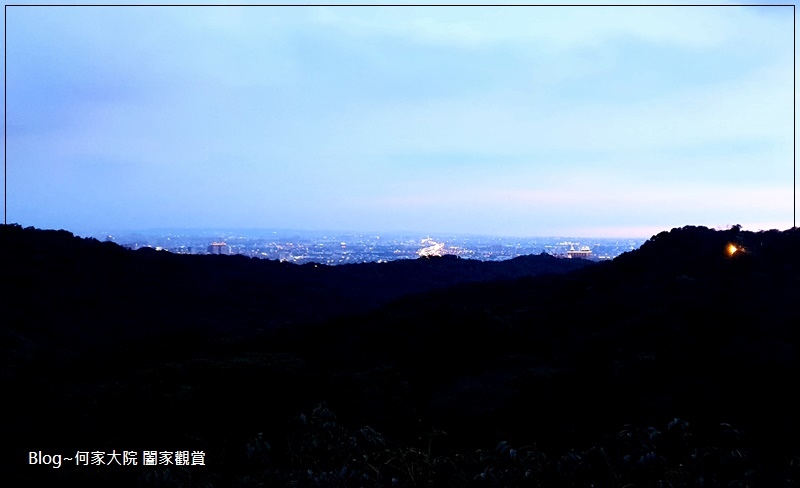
{"x": 678, "y": 328}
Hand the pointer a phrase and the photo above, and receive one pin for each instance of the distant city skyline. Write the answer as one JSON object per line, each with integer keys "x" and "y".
{"x": 333, "y": 248}
{"x": 511, "y": 121}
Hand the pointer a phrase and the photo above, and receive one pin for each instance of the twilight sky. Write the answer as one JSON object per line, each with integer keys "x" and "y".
{"x": 529, "y": 121}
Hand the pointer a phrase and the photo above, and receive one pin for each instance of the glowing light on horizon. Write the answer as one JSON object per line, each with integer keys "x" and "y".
{"x": 433, "y": 249}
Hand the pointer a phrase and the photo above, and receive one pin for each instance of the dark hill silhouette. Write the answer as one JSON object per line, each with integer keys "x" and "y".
{"x": 678, "y": 328}
{"x": 69, "y": 293}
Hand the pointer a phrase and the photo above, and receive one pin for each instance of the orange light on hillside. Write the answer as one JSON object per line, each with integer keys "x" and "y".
{"x": 732, "y": 249}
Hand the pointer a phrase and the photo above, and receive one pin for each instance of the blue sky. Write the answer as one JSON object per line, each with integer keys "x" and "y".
{"x": 529, "y": 121}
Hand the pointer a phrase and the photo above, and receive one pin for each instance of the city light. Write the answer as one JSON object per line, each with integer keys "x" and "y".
{"x": 311, "y": 247}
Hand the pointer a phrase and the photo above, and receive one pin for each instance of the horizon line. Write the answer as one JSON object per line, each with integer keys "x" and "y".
{"x": 426, "y": 233}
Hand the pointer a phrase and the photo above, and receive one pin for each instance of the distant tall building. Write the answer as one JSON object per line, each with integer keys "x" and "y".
{"x": 218, "y": 248}
{"x": 583, "y": 253}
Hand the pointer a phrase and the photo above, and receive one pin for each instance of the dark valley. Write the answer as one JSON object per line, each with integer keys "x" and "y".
{"x": 671, "y": 365}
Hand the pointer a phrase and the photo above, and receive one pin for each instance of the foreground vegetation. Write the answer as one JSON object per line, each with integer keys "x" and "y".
{"x": 320, "y": 452}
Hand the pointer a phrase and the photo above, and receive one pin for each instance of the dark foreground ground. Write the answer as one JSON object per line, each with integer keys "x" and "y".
{"x": 674, "y": 365}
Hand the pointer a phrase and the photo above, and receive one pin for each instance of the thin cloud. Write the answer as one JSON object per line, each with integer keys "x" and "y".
{"x": 548, "y": 27}
{"x": 357, "y": 117}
